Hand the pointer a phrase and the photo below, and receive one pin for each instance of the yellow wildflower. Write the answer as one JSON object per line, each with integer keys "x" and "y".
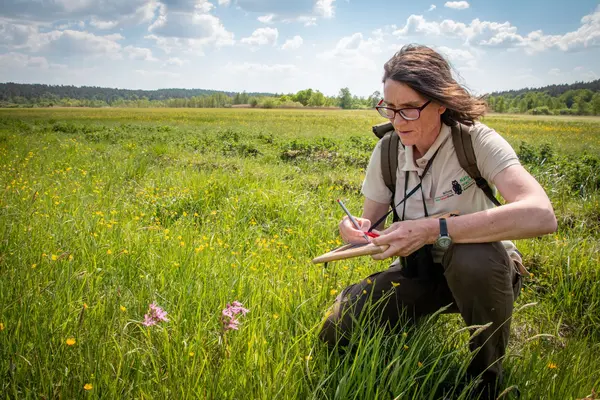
{"x": 419, "y": 364}
{"x": 1, "y": 326}
{"x": 275, "y": 316}
{"x": 122, "y": 308}
{"x": 552, "y": 366}
{"x": 333, "y": 292}
{"x": 109, "y": 251}
{"x": 88, "y": 386}
{"x": 70, "y": 341}
{"x": 54, "y": 257}
{"x": 192, "y": 354}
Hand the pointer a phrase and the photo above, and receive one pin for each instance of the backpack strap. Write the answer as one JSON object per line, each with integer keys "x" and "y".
{"x": 389, "y": 164}
{"x": 463, "y": 146}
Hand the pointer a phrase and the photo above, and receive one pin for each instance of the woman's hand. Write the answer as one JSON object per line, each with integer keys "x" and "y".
{"x": 406, "y": 237}
{"x": 350, "y": 234}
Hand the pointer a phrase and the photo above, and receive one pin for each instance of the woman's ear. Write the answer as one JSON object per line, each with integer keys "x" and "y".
{"x": 441, "y": 109}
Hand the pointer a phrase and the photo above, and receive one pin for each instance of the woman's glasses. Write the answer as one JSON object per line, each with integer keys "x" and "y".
{"x": 409, "y": 114}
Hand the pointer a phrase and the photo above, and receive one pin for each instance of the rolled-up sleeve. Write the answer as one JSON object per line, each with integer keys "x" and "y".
{"x": 373, "y": 186}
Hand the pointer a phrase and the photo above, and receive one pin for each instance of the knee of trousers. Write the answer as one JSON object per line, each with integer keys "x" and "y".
{"x": 476, "y": 263}
{"x": 332, "y": 330}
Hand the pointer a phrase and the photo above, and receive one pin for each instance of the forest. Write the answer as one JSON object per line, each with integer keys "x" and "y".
{"x": 580, "y": 98}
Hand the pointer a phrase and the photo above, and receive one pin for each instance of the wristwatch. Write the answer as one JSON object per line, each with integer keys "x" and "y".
{"x": 443, "y": 241}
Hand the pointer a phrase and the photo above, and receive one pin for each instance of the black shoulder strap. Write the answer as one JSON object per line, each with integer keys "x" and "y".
{"x": 389, "y": 164}
{"x": 463, "y": 146}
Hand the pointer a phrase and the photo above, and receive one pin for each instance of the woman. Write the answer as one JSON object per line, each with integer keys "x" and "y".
{"x": 467, "y": 260}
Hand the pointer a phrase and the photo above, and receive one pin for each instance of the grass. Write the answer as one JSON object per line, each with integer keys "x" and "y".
{"x": 103, "y": 211}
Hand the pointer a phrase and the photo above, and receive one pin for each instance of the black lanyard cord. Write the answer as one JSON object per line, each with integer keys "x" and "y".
{"x": 406, "y": 197}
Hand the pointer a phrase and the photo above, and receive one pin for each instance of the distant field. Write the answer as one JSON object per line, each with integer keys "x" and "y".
{"x": 104, "y": 211}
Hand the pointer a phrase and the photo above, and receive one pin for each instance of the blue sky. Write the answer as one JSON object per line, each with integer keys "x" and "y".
{"x": 285, "y": 46}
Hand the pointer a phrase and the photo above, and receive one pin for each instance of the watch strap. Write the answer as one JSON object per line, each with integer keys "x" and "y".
{"x": 443, "y": 227}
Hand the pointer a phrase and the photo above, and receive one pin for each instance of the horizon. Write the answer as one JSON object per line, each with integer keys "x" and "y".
{"x": 271, "y": 47}
{"x": 266, "y": 93}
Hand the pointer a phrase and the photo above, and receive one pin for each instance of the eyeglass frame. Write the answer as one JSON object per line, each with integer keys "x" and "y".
{"x": 399, "y": 110}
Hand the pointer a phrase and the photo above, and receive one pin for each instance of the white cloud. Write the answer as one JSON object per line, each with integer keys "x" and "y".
{"x": 303, "y": 11}
{"x": 18, "y": 61}
{"x": 355, "y": 53}
{"x": 104, "y": 14}
{"x": 495, "y": 34}
{"x": 16, "y": 35}
{"x": 103, "y": 24}
{"x": 432, "y": 7}
{"x": 293, "y": 43}
{"x": 324, "y": 8}
{"x": 457, "y": 5}
{"x": 307, "y": 21}
{"x": 261, "y": 37}
{"x": 186, "y": 25}
{"x": 266, "y": 19}
{"x": 175, "y": 61}
{"x": 139, "y": 53}
{"x": 224, "y": 2}
{"x": 69, "y": 43}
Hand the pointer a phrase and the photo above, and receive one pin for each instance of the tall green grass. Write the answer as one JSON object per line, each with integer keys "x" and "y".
{"x": 104, "y": 211}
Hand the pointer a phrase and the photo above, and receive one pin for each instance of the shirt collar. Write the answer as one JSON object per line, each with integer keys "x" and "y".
{"x": 409, "y": 162}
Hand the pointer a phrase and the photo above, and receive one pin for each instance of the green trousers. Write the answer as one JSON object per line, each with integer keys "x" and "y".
{"x": 477, "y": 280}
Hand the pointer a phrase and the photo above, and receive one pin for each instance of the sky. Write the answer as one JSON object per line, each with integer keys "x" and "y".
{"x": 281, "y": 46}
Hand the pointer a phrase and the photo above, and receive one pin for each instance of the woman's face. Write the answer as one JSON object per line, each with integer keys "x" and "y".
{"x": 421, "y": 132}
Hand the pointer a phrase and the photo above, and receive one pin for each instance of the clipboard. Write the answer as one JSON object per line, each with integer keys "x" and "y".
{"x": 363, "y": 249}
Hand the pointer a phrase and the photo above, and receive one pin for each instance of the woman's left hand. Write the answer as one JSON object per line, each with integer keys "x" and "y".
{"x": 405, "y": 237}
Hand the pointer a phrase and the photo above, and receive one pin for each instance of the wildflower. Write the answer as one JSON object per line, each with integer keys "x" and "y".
{"x": 213, "y": 212}
{"x": 88, "y": 386}
{"x": 155, "y": 315}
{"x": 419, "y": 364}
{"x": 192, "y": 354}
{"x": 109, "y": 251}
{"x": 230, "y": 313}
{"x": 552, "y": 366}
{"x": 405, "y": 347}
{"x": 369, "y": 281}
{"x": 85, "y": 306}
{"x": 1, "y": 326}
{"x": 70, "y": 341}
{"x": 275, "y": 316}
{"x": 122, "y": 308}
{"x": 333, "y": 292}
{"x": 54, "y": 257}
{"x": 395, "y": 284}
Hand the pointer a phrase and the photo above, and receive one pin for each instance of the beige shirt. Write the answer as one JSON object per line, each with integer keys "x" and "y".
{"x": 446, "y": 186}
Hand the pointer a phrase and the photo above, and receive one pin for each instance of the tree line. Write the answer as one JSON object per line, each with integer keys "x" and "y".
{"x": 576, "y": 99}
{"x": 570, "y": 102}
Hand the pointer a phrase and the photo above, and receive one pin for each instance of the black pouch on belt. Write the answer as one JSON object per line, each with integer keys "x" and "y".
{"x": 420, "y": 264}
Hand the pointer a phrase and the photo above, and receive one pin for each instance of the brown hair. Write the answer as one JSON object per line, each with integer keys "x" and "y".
{"x": 427, "y": 72}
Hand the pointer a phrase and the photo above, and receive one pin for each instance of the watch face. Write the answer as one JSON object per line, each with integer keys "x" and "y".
{"x": 443, "y": 242}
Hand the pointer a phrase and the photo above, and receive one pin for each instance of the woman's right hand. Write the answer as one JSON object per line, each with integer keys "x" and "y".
{"x": 350, "y": 234}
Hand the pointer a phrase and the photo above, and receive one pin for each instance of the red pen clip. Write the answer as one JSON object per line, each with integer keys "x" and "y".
{"x": 372, "y": 234}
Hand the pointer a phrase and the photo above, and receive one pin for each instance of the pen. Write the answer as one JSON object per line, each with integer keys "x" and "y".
{"x": 352, "y": 219}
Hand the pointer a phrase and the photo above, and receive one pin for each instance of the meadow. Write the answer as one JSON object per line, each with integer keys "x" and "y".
{"x": 106, "y": 211}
